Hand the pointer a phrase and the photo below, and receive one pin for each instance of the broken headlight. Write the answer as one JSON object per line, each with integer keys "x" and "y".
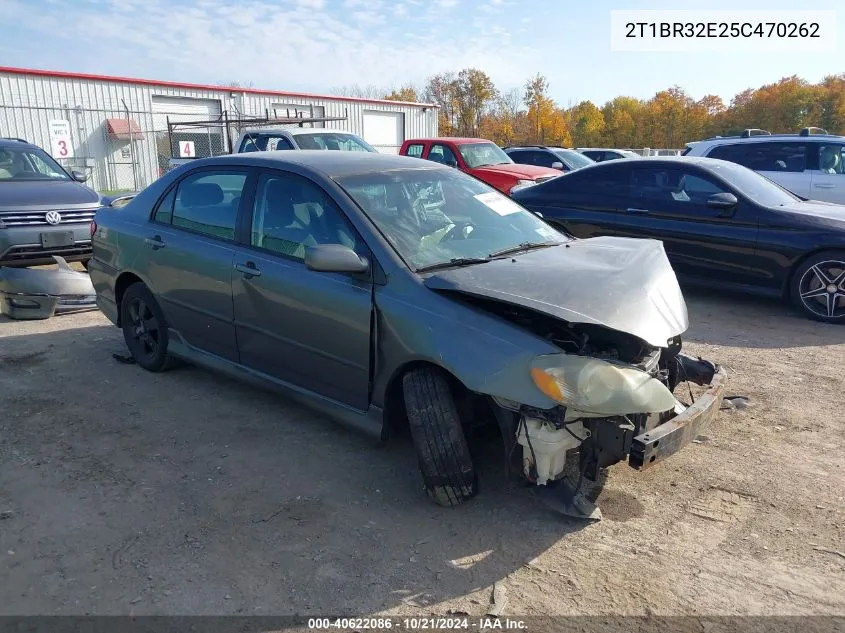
{"x": 595, "y": 386}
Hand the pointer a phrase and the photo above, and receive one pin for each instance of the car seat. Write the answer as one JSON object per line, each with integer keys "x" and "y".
{"x": 829, "y": 161}
{"x": 279, "y": 228}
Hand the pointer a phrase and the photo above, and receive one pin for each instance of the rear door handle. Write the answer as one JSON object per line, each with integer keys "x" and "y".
{"x": 634, "y": 210}
{"x": 824, "y": 185}
{"x": 154, "y": 242}
{"x": 248, "y": 269}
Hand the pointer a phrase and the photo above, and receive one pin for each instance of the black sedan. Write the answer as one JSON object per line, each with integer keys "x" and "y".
{"x": 721, "y": 225}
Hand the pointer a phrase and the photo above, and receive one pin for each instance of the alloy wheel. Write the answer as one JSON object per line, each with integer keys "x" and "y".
{"x": 822, "y": 289}
{"x": 144, "y": 328}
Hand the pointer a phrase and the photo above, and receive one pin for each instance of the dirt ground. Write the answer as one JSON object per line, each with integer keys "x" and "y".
{"x": 125, "y": 492}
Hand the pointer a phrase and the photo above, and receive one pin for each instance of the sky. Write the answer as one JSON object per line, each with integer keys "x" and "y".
{"x": 317, "y": 45}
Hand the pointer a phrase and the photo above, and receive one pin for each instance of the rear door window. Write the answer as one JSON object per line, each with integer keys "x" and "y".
{"x": 832, "y": 158}
{"x": 779, "y": 157}
{"x": 543, "y": 159}
{"x": 264, "y": 142}
{"x": 415, "y": 150}
{"x": 666, "y": 186}
{"x": 207, "y": 203}
{"x": 442, "y": 154}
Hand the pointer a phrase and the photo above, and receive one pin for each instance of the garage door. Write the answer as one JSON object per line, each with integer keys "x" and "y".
{"x": 197, "y": 109}
{"x": 202, "y": 141}
{"x": 384, "y": 130}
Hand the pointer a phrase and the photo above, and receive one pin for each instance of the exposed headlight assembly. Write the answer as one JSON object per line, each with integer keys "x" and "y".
{"x": 595, "y": 386}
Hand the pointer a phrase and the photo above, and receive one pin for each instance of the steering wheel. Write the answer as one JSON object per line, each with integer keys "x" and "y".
{"x": 457, "y": 229}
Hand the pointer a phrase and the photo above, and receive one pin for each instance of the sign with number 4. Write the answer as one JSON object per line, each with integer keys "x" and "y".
{"x": 60, "y": 142}
{"x": 186, "y": 149}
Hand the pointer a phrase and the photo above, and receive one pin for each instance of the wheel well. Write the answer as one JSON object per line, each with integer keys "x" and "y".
{"x": 792, "y": 270}
{"x": 395, "y": 416}
{"x": 123, "y": 282}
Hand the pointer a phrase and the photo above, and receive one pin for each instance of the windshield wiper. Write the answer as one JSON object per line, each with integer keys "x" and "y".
{"x": 455, "y": 261}
{"x": 525, "y": 246}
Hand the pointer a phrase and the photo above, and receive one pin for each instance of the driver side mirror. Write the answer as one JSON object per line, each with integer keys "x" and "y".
{"x": 557, "y": 165}
{"x": 450, "y": 162}
{"x": 334, "y": 258}
{"x": 722, "y": 201}
{"x": 79, "y": 176}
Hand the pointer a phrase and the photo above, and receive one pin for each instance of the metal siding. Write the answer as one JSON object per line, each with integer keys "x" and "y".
{"x": 28, "y": 102}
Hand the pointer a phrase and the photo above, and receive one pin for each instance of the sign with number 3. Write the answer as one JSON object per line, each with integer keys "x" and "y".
{"x": 60, "y": 142}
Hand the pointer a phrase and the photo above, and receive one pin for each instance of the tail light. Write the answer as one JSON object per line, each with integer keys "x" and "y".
{"x": 93, "y": 228}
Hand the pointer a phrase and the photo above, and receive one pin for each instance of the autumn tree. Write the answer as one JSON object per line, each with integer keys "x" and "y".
{"x": 500, "y": 123}
{"x": 407, "y": 93}
{"x": 547, "y": 121}
{"x": 622, "y": 116}
{"x": 587, "y": 124}
{"x": 442, "y": 89}
{"x": 474, "y": 92}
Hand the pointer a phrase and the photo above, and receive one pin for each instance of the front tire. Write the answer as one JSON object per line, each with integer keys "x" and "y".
{"x": 444, "y": 460}
{"x": 144, "y": 328}
{"x": 817, "y": 287}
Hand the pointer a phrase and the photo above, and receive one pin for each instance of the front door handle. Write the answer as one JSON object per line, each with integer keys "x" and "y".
{"x": 155, "y": 242}
{"x": 248, "y": 269}
{"x": 824, "y": 185}
{"x": 634, "y": 210}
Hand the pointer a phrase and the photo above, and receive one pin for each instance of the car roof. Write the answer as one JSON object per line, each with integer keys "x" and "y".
{"x": 13, "y": 142}
{"x": 767, "y": 138}
{"x": 658, "y": 161}
{"x": 449, "y": 139}
{"x": 330, "y": 163}
{"x": 296, "y": 131}
{"x": 548, "y": 148}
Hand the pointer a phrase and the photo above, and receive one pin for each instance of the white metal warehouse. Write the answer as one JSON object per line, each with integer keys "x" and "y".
{"x": 123, "y": 131}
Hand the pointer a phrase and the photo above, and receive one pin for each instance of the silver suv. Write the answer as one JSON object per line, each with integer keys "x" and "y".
{"x": 44, "y": 210}
{"x": 810, "y": 164}
{"x": 300, "y": 138}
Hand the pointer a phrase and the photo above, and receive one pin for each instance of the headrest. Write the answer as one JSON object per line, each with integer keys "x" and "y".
{"x": 201, "y": 194}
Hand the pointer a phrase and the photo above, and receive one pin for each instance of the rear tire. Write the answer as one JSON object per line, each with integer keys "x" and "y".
{"x": 444, "y": 460}
{"x": 817, "y": 287}
{"x": 144, "y": 328}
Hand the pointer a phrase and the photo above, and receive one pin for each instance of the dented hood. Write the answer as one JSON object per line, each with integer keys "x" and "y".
{"x": 620, "y": 283}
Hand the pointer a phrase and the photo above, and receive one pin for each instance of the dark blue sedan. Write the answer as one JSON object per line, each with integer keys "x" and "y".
{"x": 721, "y": 225}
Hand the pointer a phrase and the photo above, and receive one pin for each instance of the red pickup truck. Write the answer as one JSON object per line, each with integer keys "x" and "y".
{"x": 480, "y": 158}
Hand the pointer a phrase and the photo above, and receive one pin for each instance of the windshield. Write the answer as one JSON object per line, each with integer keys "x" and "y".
{"x": 481, "y": 154}
{"x": 333, "y": 140}
{"x": 27, "y": 163}
{"x": 435, "y": 216}
{"x": 574, "y": 159}
{"x": 752, "y": 185}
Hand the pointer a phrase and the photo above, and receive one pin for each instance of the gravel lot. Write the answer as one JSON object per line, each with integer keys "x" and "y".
{"x": 185, "y": 493}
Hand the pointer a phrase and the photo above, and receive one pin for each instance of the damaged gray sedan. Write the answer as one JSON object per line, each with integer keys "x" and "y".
{"x": 390, "y": 292}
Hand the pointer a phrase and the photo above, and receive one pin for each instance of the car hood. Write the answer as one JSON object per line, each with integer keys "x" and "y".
{"x": 620, "y": 283}
{"x": 817, "y": 208}
{"x": 527, "y": 172}
{"x": 38, "y": 194}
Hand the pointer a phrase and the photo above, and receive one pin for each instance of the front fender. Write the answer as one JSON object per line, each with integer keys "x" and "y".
{"x": 487, "y": 355}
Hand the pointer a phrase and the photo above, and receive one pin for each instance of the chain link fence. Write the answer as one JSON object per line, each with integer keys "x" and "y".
{"x": 119, "y": 149}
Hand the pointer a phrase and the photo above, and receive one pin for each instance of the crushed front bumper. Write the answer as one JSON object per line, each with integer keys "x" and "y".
{"x": 32, "y": 293}
{"x": 668, "y": 438}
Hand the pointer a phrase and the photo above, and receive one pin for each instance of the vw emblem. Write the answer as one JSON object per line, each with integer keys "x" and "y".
{"x": 53, "y": 217}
